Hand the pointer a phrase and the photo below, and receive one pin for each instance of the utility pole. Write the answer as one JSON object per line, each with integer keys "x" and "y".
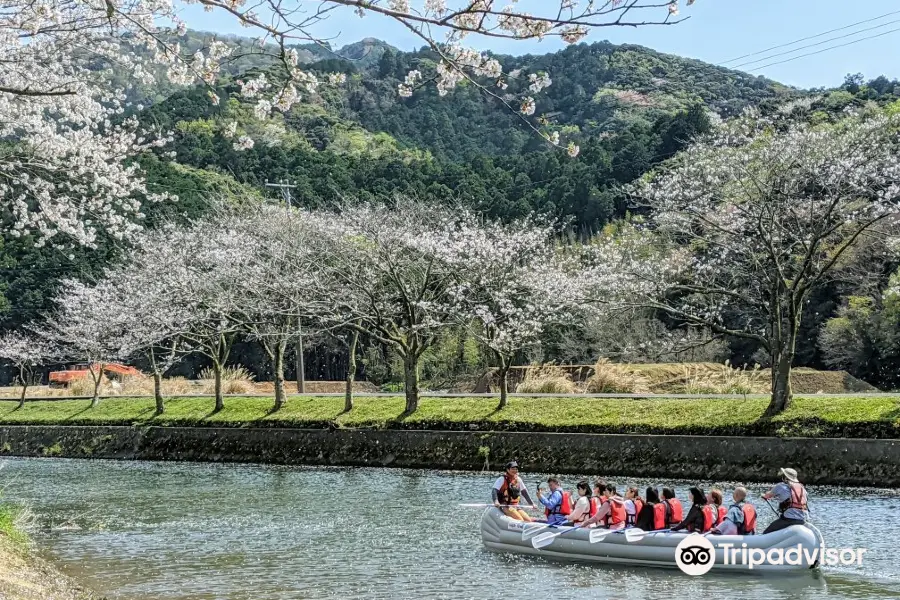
{"x": 285, "y": 191}
{"x": 298, "y": 345}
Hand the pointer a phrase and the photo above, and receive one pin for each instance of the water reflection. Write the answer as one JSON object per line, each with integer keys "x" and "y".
{"x": 234, "y": 532}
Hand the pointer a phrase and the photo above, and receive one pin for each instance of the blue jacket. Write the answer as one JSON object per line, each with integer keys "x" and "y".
{"x": 553, "y": 501}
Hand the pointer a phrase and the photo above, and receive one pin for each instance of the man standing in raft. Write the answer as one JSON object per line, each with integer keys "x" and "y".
{"x": 791, "y": 496}
{"x": 508, "y": 490}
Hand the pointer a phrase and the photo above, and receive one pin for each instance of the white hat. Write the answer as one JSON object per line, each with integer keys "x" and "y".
{"x": 789, "y": 474}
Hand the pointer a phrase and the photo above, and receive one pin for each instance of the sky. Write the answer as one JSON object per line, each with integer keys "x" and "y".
{"x": 716, "y": 32}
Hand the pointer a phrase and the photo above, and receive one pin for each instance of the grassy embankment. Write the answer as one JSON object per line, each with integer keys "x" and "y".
{"x": 809, "y": 416}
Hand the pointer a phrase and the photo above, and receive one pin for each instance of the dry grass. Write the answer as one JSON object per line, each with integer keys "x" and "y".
{"x": 726, "y": 380}
{"x": 235, "y": 380}
{"x": 613, "y": 378}
{"x": 548, "y": 379}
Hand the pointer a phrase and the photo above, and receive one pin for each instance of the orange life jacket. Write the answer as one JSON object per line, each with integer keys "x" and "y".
{"x": 615, "y": 515}
{"x": 638, "y": 505}
{"x": 748, "y": 527}
{"x": 797, "y": 499}
{"x": 660, "y": 514}
{"x": 503, "y": 493}
{"x": 595, "y": 506}
{"x": 709, "y": 517}
{"x": 676, "y": 513}
{"x": 721, "y": 516}
{"x": 564, "y": 508}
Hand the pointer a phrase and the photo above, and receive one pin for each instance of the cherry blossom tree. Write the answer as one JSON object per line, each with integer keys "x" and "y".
{"x": 25, "y": 351}
{"x": 84, "y": 329}
{"x": 279, "y": 289}
{"x": 511, "y": 285}
{"x": 762, "y": 213}
{"x": 387, "y": 276}
{"x": 68, "y": 65}
{"x": 157, "y": 312}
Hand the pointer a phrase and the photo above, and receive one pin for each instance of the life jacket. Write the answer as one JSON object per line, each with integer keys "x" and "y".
{"x": 797, "y": 499}
{"x": 709, "y": 517}
{"x": 503, "y": 494}
{"x": 722, "y": 511}
{"x": 676, "y": 513}
{"x": 660, "y": 515}
{"x": 563, "y": 508}
{"x": 595, "y": 507}
{"x": 748, "y": 527}
{"x": 615, "y": 515}
{"x": 638, "y": 505}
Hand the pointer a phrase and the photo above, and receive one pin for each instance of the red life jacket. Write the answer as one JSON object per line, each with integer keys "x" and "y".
{"x": 563, "y": 508}
{"x": 722, "y": 511}
{"x": 503, "y": 493}
{"x": 595, "y": 507}
{"x": 676, "y": 513}
{"x": 615, "y": 515}
{"x": 748, "y": 527}
{"x": 638, "y": 505}
{"x": 798, "y": 496}
{"x": 660, "y": 512}
{"x": 709, "y": 517}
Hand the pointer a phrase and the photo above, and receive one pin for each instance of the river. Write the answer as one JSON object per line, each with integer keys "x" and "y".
{"x": 234, "y": 532}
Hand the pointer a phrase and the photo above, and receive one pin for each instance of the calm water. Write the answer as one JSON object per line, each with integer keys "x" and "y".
{"x": 202, "y": 531}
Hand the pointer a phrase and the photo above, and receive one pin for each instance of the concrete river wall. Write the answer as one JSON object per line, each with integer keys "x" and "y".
{"x": 863, "y": 462}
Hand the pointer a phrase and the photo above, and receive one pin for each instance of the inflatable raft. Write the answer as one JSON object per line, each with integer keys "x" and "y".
{"x": 652, "y": 549}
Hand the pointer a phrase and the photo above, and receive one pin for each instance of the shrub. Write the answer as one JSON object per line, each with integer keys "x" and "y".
{"x": 613, "y": 378}
{"x": 84, "y": 386}
{"x": 548, "y": 379}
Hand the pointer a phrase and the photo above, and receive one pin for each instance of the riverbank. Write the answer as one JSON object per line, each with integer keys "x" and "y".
{"x": 25, "y": 576}
{"x": 809, "y": 416}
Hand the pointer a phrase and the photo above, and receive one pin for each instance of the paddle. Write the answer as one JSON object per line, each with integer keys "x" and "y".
{"x": 598, "y": 534}
{"x": 545, "y": 539}
{"x": 635, "y": 534}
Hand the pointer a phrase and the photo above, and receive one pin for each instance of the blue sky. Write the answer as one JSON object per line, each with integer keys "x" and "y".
{"x": 718, "y": 30}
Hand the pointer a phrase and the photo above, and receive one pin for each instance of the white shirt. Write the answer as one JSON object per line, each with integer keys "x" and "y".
{"x": 582, "y": 509}
{"x": 630, "y": 508}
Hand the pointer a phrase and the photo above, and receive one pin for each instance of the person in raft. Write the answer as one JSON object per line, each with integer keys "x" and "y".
{"x": 674, "y": 510}
{"x": 611, "y": 510}
{"x": 740, "y": 518}
{"x": 792, "y": 501}
{"x": 585, "y": 506}
{"x": 701, "y": 517}
{"x": 508, "y": 491}
{"x": 633, "y": 506}
{"x": 557, "y": 503}
{"x": 652, "y": 516}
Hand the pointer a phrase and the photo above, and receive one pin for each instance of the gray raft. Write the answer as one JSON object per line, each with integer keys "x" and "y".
{"x": 502, "y": 534}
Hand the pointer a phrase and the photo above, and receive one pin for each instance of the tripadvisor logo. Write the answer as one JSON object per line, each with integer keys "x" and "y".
{"x": 695, "y": 555}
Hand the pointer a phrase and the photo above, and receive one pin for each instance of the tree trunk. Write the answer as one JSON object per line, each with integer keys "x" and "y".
{"x": 301, "y": 375}
{"x": 95, "y": 399}
{"x": 411, "y": 380}
{"x": 278, "y": 370}
{"x": 220, "y": 401}
{"x": 157, "y": 384}
{"x": 782, "y": 362}
{"x": 502, "y": 382}
{"x": 157, "y": 392}
{"x": 351, "y": 373}
{"x": 24, "y": 382}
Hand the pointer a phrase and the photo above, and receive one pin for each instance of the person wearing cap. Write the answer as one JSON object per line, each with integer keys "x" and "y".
{"x": 508, "y": 491}
{"x": 792, "y": 501}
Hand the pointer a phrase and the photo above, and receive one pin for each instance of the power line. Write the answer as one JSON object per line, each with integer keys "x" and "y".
{"x": 871, "y": 37}
{"x": 840, "y": 37}
{"x": 812, "y": 37}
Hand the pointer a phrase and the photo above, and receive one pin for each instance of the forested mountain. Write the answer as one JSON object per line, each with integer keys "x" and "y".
{"x": 628, "y": 108}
